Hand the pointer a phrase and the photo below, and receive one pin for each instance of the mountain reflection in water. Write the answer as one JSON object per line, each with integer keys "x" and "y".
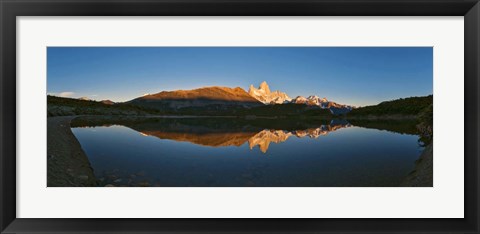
{"x": 265, "y": 137}
{"x": 230, "y": 152}
{"x": 228, "y": 134}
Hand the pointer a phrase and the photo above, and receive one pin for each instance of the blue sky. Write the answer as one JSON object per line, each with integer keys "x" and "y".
{"x": 348, "y": 75}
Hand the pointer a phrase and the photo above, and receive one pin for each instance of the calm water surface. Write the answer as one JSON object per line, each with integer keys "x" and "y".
{"x": 217, "y": 152}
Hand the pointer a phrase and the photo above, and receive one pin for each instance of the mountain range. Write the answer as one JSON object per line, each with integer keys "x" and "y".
{"x": 221, "y": 97}
{"x": 224, "y": 97}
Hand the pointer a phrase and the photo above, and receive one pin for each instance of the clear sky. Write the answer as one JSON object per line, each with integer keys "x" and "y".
{"x": 348, "y": 75}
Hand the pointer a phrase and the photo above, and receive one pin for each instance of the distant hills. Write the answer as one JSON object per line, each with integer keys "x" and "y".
{"x": 225, "y": 101}
{"x": 222, "y": 97}
{"x": 411, "y": 106}
{"x": 59, "y": 106}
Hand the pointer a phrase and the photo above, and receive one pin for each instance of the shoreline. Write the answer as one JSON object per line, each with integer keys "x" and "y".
{"x": 382, "y": 117}
{"x": 422, "y": 174}
{"x": 198, "y": 116}
{"x": 67, "y": 163}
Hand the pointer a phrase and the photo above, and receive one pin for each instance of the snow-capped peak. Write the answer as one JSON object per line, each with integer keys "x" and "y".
{"x": 264, "y": 94}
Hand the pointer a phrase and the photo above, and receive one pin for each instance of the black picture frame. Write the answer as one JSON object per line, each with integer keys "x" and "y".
{"x": 10, "y": 9}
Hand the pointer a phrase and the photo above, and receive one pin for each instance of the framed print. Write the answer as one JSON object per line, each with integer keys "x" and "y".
{"x": 227, "y": 116}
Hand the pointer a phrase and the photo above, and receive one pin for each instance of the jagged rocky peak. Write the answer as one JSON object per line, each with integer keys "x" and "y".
{"x": 311, "y": 100}
{"x": 251, "y": 89}
{"x": 264, "y": 94}
{"x": 323, "y": 103}
{"x": 299, "y": 100}
{"x": 264, "y": 87}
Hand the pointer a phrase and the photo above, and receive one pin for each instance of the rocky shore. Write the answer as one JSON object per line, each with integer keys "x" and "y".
{"x": 422, "y": 175}
{"x": 67, "y": 164}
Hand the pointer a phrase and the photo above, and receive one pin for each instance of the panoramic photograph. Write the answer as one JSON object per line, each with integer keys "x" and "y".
{"x": 239, "y": 116}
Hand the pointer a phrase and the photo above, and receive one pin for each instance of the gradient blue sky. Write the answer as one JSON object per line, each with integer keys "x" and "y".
{"x": 348, "y": 75}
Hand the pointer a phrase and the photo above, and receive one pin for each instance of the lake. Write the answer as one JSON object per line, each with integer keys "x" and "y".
{"x": 239, "y": 152}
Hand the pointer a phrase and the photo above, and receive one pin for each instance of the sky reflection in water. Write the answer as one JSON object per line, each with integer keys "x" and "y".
{"x": 340, "y": 155}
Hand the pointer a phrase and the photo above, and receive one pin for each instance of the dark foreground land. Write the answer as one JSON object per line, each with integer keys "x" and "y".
{"x": 422, "y": 175}
{"x": 67, "y": 164}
